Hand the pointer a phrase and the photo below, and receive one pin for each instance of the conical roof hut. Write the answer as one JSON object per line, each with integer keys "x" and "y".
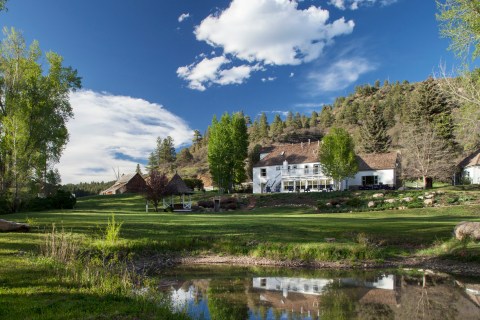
{"x": 177, "y": 187}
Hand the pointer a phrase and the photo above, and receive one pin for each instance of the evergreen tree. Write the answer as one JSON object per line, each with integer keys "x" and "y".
{"x": 289, "y": 119}
{"x": 313, "y": 119}
{"x": 152, "y": 162}
{"x": 185, "y": 156}
{"x": 305, "y": 122}
{"x": 431, "y": 106}
{"x": 138, "y": 169}
{"x": 166, "y": 150}
{"x": 276, "y": 129}
{"x": 297, "y": 121}
{"x": 197, "y": 139}
{"x": 263, "y": 126}
{"x": 326, "y": 117}
{"x": 373, "y": 131}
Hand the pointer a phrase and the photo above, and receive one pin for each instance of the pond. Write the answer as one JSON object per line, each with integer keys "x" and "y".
{"x": 213, "y": 292}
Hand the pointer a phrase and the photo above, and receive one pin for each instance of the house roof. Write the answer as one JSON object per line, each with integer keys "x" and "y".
{"x": 308, "y": 153}
{"x": 176, "y": 186}
{"x": 377, "y": 161}
{"x": 471, "y": 160}
{"x": 293, "y": 153}
{"x": 123, "y": 180}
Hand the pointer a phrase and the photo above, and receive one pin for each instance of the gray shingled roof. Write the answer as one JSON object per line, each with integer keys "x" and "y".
{"x": 471, "y": 160}
{"x": 176, "y": 186}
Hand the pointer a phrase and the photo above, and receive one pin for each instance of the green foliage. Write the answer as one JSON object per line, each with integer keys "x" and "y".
{"x": 112, "y": 231}
{"x": 375, "y": 138}
{"x": 460, "y": 21}
{"x": 227, "y": 150}
{"x": 83, "y": 189}
{"x": 60, "y": 200}
{"x": 337, "y": 156}
{"x": 34, "y": 110}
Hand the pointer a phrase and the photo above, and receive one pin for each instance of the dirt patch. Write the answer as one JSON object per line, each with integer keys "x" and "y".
{"x": 158, "y": 262}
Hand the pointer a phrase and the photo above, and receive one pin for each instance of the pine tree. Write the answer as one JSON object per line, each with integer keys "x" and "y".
{"x": 431, "y": 106}
{"x": 138, "y": 169}
{"x": 297, "y": 121}
{"x": 276, "y": 129}
{"x": 313, "y": 119}
{"x": 375, "y": 138}
{"x": 326, "y": 117}
{"x": 263, "y": 126}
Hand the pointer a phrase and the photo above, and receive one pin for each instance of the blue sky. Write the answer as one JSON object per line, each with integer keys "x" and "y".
{"x": 156, "y": 68}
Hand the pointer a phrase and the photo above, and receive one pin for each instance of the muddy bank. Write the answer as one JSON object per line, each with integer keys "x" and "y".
{"x": 156, "y": 263}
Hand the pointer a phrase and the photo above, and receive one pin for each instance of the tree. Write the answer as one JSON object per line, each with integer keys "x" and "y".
{"x": 253, "y": 157}
{"x": 138, "y": 169}
{"x": 326, "y": 117}
{"x": 430, "y": 106}
{"x": 313, "y": 120}
{"x": 263, "y": 126}
{"x": 197, "y": 139}
{"x": 460, "y": 21}
{"x": 152, "y": 162}
{"x": 227, "y": 150}
{"x": 276, "y": 129}
{"x": 336, "y": 155}
{"x": 185, "y": 156}
{"x": 156, "y": 186}
{"x": 34, "y": 110}
{"x": 373, "y": 131}
{"x": 166, "y": 152}
{"x": 426, "y": 154}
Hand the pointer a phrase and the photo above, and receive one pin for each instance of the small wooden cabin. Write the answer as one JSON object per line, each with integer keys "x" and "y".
{"x": 127, "y": 183}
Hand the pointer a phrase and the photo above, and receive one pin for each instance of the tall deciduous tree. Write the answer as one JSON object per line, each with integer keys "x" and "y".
{"x": 426, "y": 154}
{"x": 227, "y": 150}
{"x": 460, "y": 21}
{"x": 337, "y": 156}
{"x": 34, "y": 110}
{"x": 375, "y": 138}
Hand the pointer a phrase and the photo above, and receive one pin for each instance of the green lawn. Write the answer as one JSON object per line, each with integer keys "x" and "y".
{"x": 31, "y": 288}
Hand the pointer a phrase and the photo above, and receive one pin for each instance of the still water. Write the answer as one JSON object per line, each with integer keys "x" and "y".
{"x": 224, "y": 293}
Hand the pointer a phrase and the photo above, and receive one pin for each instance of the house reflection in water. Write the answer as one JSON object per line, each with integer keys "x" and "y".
{"x": 302, "y": 297}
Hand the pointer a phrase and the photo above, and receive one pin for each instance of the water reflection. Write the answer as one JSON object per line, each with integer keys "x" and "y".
{"x": 361, "y": 296}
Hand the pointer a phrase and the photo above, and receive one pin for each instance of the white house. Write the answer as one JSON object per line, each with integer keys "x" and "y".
{"x": 470, "y": 167}
{"x": 295, "y": 167}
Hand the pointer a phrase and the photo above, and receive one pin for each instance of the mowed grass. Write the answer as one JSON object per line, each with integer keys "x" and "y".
{"x": 208, "y": 231}
{"x": 33, "y": 287}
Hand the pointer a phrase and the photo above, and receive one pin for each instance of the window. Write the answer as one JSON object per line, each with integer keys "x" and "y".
{"x": 306, "y": 170}
{"x": 263, "y": 172}
{"x": 278, "y": 168}
{"x": 369, "y": 180}
{"x": 316, "y": 169}
{"x": 263, "y": 282}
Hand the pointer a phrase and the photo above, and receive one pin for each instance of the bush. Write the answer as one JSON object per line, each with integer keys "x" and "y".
{"x": 206, "y": 203}
{"x": 194, "y": 183}
{"x": 355, "y": 202}
{"x": 61, "y": 200}
{"x": 4, "y": 207}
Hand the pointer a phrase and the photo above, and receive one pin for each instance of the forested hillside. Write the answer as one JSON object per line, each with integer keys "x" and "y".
{"x": 388, "y": 107}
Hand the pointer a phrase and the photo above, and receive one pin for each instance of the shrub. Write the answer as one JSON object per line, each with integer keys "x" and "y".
{"x": 206, "y": 203}
{"x": 64, "y": 200}
{"x": 355, "y": 202}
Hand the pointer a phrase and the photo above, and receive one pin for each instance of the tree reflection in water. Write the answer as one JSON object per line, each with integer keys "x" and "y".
{"x": 371, "y": 295}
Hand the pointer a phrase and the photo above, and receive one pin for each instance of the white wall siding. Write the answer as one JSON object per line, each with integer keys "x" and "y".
{"x": 386, "y": 176}
{"x": 474, "y": 174}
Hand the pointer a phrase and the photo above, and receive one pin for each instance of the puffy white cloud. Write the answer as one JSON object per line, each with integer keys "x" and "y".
{"x": 271, "y": 31}
{"x": 355, "y": 4}
{"x": 183, "y": 17}
{"x": 208, "y": 71}
{"x": 292, "y": 74}
{"x": 111, "y": 131}
{"x": 339, "y": 75}
{"x": 263, "y": 32}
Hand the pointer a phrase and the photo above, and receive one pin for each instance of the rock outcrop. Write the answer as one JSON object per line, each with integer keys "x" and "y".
{"x": 10, "y": 226}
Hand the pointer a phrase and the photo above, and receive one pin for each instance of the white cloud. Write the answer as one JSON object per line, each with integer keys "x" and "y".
{"x": 269, "y": 79}
{"x": 114, "y": 131}
{"x": 271, "y": 31}
{"x": 183, "y": 17}
{"x": 292, "y": 74}
{"x": 339, "y": 75}
{"x": 209, "y": 71}
{"x": 267, "y": 32}
{"x": 355, "y": 4}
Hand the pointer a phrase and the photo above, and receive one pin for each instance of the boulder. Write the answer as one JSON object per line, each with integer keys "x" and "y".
{"x": 10, "y": 226}
{"x": 371, "y": 204}
{"x": 378, "y": 195}
{"x": 390, "y": 200}
{"x": 407, "y": 199}
{"x": 420, "y": 197}
{"x": 429, "y": 196}
{"x": 402, "y": 208}
{"x": 466, "y": 229}
{"x": 428, "y": 202}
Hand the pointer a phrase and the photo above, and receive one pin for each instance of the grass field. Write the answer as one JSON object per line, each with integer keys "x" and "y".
{"x": 279, "y": 233}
